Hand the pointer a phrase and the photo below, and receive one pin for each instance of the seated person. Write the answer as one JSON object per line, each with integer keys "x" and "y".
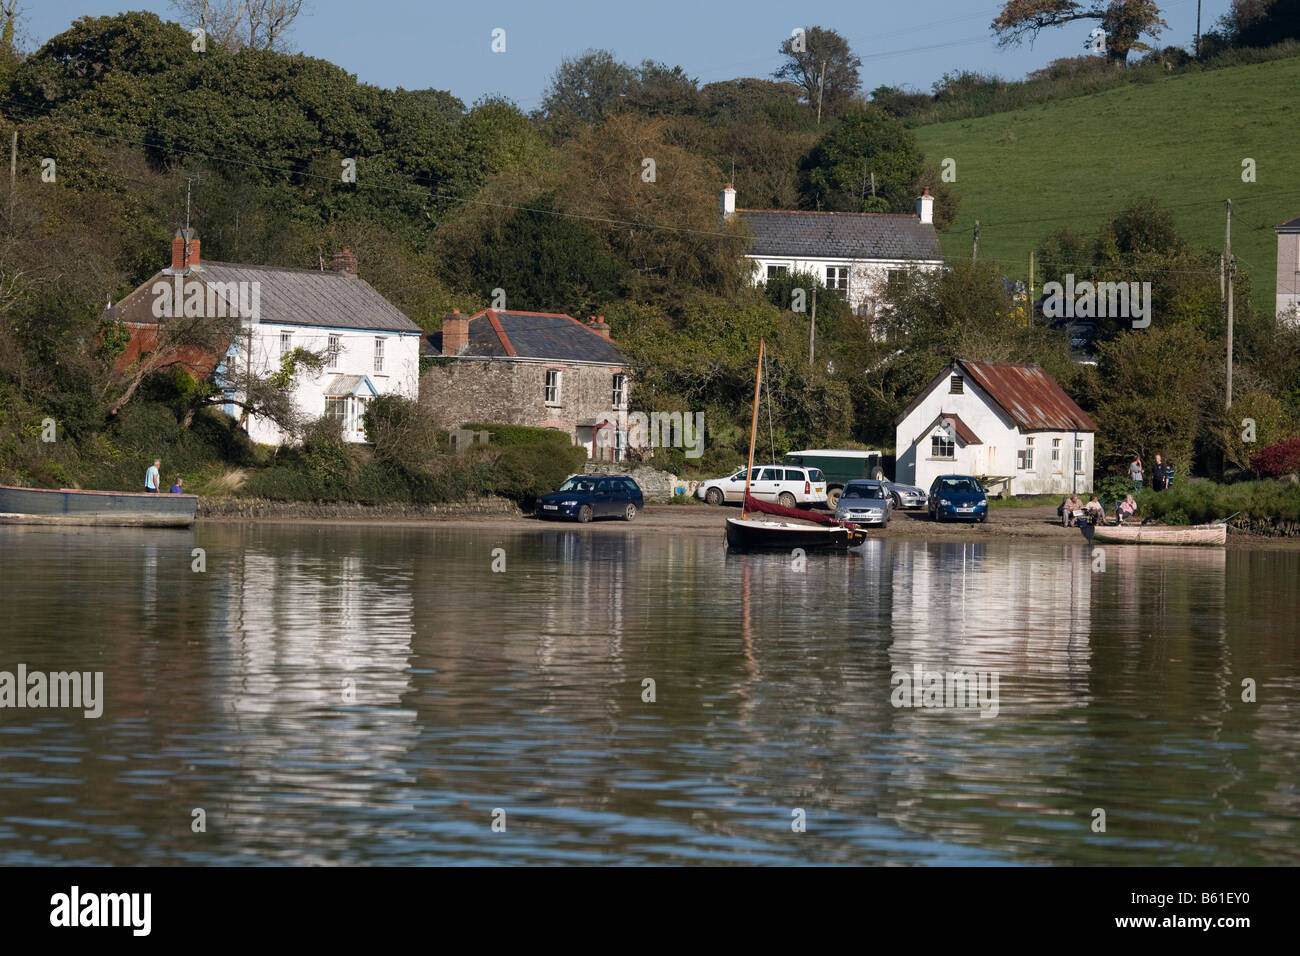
{"x": 1069, "y": 508}
{"x": 1095, "y": 511}
{"x": 1126, "y": 509}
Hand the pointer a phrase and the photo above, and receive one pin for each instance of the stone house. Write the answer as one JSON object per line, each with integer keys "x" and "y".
{"x": 1008, "y": 425}
{"x": 852, "y": 252}
{"x": 1288, "y": 271}
{"x": 372, "y": 348}
{"x": 543, "y": 369}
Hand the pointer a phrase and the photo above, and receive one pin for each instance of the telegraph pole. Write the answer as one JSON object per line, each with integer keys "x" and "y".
{"x": 812, "y": 327}
{"x": 975, "y": 242}
{"x": 821, "y": 85}
{"x": 1197, "y": 48}
{"x": 1227, "y": 258}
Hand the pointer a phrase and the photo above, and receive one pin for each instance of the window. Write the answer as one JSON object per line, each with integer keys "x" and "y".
{"x": 286, "y": 343}
{"x": 1078, "y": 456}
{"x": 1056, "y": 454}
{"x": 334, "y": 348}
{"x": 837, "y": 277}
{"x": 956, "y": 386}
{"x": 792, "y": 475}
{"x": 336, "y": 409}
{"x": 552, "y": 386}
{"x": 941, "y": 446}
{"x": 770, "y": 474}
{"x": 379, "y": 354}
{"x": 1028, "y": 454}
{"x": 620, "y": 391}
{"x": 774, "y": 272}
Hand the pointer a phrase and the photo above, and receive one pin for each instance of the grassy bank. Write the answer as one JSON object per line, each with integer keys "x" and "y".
{"x": 1254, "y": 502}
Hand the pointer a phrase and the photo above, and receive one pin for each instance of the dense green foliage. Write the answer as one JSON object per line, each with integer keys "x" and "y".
{"x": 1204, "y": 501}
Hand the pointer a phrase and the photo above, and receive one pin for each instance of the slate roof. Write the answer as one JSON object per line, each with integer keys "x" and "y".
{"x": 532, "y": 335}
{"x": 1291, "y": 225}
{"x": 1029, "y": 396}
{"x": 288, "y": 296}
{"x": 840, "y": 235}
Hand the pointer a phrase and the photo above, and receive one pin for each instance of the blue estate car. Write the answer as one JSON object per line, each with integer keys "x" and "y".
{"x": 584, "y": 497}
{"x": 957, "y": 496}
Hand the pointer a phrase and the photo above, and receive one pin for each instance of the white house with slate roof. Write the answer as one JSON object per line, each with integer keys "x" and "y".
{"x": 849, "y": 251}
{"x": 373, "y": 349}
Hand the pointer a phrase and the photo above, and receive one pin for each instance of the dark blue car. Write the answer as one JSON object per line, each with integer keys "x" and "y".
{"x": 584, "y": 497}
{"x": 959, "y": 497}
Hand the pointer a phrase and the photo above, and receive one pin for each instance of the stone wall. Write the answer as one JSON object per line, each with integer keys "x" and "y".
{"x": 656, "y": 485}
{"x": 218, "y": 508}
{"x": 514, "y": 393}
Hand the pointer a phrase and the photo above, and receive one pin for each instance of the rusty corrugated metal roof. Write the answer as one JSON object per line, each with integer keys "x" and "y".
{"x": 1030, "y": 396}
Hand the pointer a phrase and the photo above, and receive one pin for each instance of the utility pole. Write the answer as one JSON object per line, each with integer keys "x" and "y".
{"x": 1197, "y": 47}
{"x": 1227, "y": 255}
{"x": 812, "y": 326}
{"x": 821, "y": 85}
{"x": 975, "y": 244}
{"x": 1031, "y": 281}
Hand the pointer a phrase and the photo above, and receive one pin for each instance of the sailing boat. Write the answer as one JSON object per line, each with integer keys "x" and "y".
{"x": 757, "y": 528}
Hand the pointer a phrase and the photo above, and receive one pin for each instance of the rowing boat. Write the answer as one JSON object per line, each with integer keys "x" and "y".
{"x": 72, "y": 506}
{"x": 1201, "y": 534}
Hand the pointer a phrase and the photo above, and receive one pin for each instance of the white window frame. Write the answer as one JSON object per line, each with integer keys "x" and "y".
{"x": 379, "y": 353}
{"x": 552, "y": 388}
{"x": 334, "y": 348}
{"x": 837, "y": 277}
{"x": 1056, "y": 455}
{"x": 620, "y": 393}
{"x": 940, "y": 441}
{"x": 1078, "y": 456}
{"x": 286, "y": 343}
{"x": 1028, "y": 455}
{"x": 775, "y": 272}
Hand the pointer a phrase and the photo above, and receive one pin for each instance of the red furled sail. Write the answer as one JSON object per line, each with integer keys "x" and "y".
{"x": 781, "y": 511}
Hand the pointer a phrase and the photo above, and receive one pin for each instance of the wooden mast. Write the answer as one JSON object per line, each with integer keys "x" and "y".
{"x": 753, "y": 432}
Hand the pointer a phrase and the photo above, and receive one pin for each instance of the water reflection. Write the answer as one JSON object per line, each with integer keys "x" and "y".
{"x": 336, "y": 694}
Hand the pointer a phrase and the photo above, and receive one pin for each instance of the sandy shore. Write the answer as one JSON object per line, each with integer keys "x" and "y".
{"x": 1013, "y": 523}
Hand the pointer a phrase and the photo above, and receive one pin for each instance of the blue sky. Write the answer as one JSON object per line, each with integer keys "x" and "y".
{"x": 419, "y": 44}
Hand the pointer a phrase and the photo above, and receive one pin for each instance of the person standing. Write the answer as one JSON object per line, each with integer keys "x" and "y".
{"x": 1135, "y": 473}
{"x": 1158, "y": 476}
{"x": 152, "y": 478}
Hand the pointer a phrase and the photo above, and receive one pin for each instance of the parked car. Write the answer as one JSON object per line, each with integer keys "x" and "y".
{"x": 838, "y": 465}
{"x": 584, "y": 497}
{"x": 780, "y": 483}
{"x": 865, "y": 503}
{"x": 958, "y": 496}
{"x": 907, "y": 496}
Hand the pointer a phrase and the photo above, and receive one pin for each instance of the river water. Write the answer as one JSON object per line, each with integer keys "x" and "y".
{"x": 380, "y": 695}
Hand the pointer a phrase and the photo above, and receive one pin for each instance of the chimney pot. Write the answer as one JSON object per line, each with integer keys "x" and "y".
{"x": 455, "y": 332}
{"x": 925, "y": 207}
{"x": 185, "y": 250}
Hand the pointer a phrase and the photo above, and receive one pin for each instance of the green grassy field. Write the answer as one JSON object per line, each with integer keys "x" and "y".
{"x": 1181, "y": 139}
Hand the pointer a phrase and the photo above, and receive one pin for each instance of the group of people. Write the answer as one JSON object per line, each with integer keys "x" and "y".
{"x": 153, "y": 478}
{"x": 1162, "y": 473}
{"x": 1074, "y": 511}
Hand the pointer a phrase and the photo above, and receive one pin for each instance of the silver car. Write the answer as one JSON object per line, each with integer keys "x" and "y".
{"x": 865, "y": 503}
{"x": 907, "y": 496}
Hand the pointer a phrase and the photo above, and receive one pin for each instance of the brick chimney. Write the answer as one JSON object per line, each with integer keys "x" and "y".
{"x": 345, "y": 263}
{"x": 729, "y": 202}
{"x": 183, "y": 257}
{"x": 925, "y": 207}
{"x": 455, "y": 332}
{"x": 597, "y": 325}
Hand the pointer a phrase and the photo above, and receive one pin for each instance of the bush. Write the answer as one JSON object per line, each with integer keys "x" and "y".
{"x": 1278, "y": 459}
{"x": 525, "y": 472}
{"x": 403, "y": 432}
{"x": 1113, "y": 488}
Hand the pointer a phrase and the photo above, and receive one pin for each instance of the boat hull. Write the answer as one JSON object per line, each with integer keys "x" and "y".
{"x": 1206, "y": 535}
{"x": 748, "y": 535}
{"x": 67, "y": 506}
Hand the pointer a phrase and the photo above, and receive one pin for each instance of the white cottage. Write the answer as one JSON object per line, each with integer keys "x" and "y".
{"x": 852, "y": 252}
{"x": 1011, "y": 426}
{"x": 373, "y": 348}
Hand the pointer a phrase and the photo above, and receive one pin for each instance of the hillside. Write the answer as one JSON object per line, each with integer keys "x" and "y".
{"x": 1181, "y": 139}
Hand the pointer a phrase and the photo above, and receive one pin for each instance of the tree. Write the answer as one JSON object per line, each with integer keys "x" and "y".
{"x": 260, "y": 24}
{"x": 1125, "y": 21}
{"x": 821, "y": 63}
{"x": 587, "y": 88}
{"x": 1260, "y": 22}
{"x": 867, "y": 162}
